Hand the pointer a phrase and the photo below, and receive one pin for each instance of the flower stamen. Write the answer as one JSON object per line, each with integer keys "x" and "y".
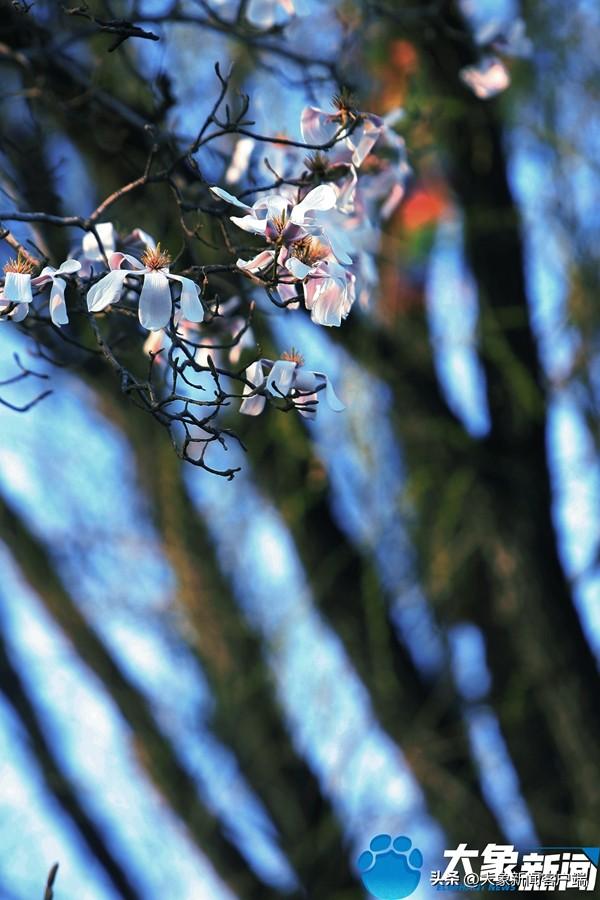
{"x": 155, "y": 258}
{"x": 20, "y": 265}
{"x": 293, "y": 355}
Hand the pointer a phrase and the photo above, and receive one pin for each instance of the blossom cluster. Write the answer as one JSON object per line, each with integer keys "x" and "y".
{"x": 318, "y": 251}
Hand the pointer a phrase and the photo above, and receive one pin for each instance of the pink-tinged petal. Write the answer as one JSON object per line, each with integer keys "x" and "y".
{"x": 346, "y": 191}
{"x": 307, "y": 405}
{"x": 281, "y": 378}
{"x": 321, "y": 198}
{"x": 229, "y": 198}
{"x": 258, "y": 263}
{"x": 58, "y": 307}
{"x": 154, "y": 342}
{"x": 108, "y": 237}
{"x": 68, "y": 267}
{"x": 44, "y": 277}
{"x": 155, "y": 301}
{"x": 250, "y": 224}
{"x": 191, "y": 307}
{"x": 364, "y": 138}
{"x": 17, "y": 287}
{"x": 116, "y": 260}
{"x": 487, "y": 79}
{"x": 317, "y": 126}
{"x": 107, "y": 290}
{"x": 287, "y": 293}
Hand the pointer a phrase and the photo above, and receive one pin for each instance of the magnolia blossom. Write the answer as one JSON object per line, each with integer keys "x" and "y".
{"x": 57, "y": 278}
{"x": 320, "y": 127}
{"x": 89, "y": 251}
{"x": 16, "y": 294}
{"x": 490, "y": 76}
{"x": 487, "y": 78}
{"x": 155, "y": 304}
{"x": 278, "y": 218}
{"x": 286, "y": 378}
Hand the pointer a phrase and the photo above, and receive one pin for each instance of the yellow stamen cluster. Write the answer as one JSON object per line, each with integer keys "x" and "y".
{"x": 156, "y": 258}
{"x": 21, "y": 265}
{"x": 293, "y": 356}
{"x": 279, "y": 222}
{"x": 308, "y": 250}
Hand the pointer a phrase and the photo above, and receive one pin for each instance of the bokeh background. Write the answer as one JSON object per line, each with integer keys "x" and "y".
{"x": 389, "y": 620}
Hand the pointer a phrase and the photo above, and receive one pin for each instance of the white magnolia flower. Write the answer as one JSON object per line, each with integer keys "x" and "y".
{"x": 320, "y": 127}
{"x": 58, "y": 281}
{"x": 286, "y": 378}
{"x": 486, "y": 78}
{"x": 278, "y": 218}
{"x": 16, "y": 294}
{"x": 90, "y": 254}
{"x": 155, "y": 304}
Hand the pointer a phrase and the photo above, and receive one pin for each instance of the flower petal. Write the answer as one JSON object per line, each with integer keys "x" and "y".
{"x": 108, "y": 237}
{"x": 250, "y": 224}
{"x": 58, "y": 307}
{"x": 322, "y": 197}
{"x": 17, "y": 287}
{"x": 229, "y": 198}
{"x": 68, "y": 267}
{"x": 191, "y": 307}
{"x": 253, "y": 405}
{"x": 107, "y": 290}
{"x": 486, "y": 79}
{"x": 317, "y": 126}
{"x": 281, "y": 378}
{"x": 155, "y": 301}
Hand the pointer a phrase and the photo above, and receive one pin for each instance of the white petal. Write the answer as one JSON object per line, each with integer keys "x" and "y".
{"x": 322, "y": 197}
{"x": 253, "y": 405}
{"x": 17, "y": 287}
{"x": 58, "y": 307}
{"x": 281, "y": 377}
{"x": 68, "y": 267}
{"x": 17, "y": 315}
{"x": 108, "y": 237}
{"x": 155, "y": 301}
{"x": 317, "y": 127}
{"x": 191, "y": 307}
{"x": 106, "y": 291}
{"x": 250, "y": 224}
{"x": 229, "y": 198}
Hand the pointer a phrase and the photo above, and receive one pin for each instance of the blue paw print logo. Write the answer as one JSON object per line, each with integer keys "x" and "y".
{"x": 388, "y": 870}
